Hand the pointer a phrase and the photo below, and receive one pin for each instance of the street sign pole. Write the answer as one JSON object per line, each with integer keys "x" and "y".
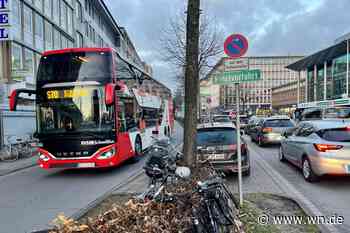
{"x": 239, "y": 157}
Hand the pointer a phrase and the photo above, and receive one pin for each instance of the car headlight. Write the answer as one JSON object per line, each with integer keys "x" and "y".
{"x": 44, "y": 158}
{"x": 107, "y": 154}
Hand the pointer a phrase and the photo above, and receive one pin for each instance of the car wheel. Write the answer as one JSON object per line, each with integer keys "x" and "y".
{"x": 308, "y": 173}
{"x": 281, "y": 155}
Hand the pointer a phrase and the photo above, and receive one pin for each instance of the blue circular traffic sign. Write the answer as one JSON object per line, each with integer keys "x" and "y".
{"x": 236, "y": 46}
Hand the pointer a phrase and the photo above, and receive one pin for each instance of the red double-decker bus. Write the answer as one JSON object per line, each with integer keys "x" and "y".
{"x": 89, "y": 110}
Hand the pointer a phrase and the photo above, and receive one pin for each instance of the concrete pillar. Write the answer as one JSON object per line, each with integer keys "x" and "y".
{"x": 325, "y": 81}
{"x": 306, "y": 87}
{"x": 315, "y": 81}
{"x": 298, "y": 89}
{"x": 347, "y": 68}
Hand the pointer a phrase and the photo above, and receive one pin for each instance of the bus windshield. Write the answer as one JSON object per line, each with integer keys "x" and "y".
{"x": 74, "y": 110}
{"x": 73, "y": 67}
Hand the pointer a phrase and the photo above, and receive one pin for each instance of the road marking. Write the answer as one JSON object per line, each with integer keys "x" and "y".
{"x": 292, "y": 192}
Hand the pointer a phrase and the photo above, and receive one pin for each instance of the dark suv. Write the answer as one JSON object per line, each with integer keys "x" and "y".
{"x": 218, "y": 144}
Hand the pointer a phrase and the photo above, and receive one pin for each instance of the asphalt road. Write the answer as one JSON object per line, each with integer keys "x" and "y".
{"x": 331, "y": 195}
{"x": 32, "y": 198}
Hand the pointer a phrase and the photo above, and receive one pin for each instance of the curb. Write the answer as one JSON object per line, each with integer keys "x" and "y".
{"x": 292, "y": 193}
{"x": 10, "y": 171}
{"x": 80, "y": 213}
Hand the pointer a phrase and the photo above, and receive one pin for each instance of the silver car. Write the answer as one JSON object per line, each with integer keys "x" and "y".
{"x": 268, "y": 130}
{"x": 318, "y": 148}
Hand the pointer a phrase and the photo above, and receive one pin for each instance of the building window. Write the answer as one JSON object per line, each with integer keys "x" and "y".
{"x": 79, "y": 11}
{"x": 70, "y": 20}
{"x": 63, "y": 20}
{"x": 56, "y": 39}
{"x": 39, "y": 4}
{"x": 28, "y": 25}
{"x": 64, "y": 41}
{"x": 16, "y": 57}
{"x": 55, "y": 10}
{"x": 16, "y": 19}
{"x": 48, "y": 36}
{"x": 48, "y": 8}
{"x": 70, "y": 44}
{"x": 86, "y": 29}
{"x": 28, "y": 61}
{"x": 339, "y": 76}
{"x": 39, "y": 32}
{"x": 80, "y": 40}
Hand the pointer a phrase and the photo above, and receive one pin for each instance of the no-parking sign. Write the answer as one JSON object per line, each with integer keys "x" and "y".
{"x": 236, "y": 45}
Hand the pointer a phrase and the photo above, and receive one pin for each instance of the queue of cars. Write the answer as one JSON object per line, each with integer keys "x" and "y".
{"x": 317, "y": 141}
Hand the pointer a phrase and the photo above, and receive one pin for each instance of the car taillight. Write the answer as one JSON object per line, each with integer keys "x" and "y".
{"x": 327, "y": 147}
{"x": 267, "y": 130}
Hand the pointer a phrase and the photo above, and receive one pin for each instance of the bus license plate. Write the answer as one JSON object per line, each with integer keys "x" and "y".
{"x": 86, "y": 165}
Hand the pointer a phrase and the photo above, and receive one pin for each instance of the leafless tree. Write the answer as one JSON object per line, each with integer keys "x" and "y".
{"x": 173, "y": 43}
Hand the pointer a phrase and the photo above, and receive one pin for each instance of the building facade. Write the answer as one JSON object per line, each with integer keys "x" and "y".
{"x": 327, "y": 75}
{"x": 29, "y": 27}
{"x": 285, "y": 97}
{"x": 258, "y": 94}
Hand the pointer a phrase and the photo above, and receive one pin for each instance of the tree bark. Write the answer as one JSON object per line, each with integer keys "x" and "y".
{"x": 191, "y": 82}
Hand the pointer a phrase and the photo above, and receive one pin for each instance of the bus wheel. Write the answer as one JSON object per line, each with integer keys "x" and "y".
{"x": 138, "y": 149}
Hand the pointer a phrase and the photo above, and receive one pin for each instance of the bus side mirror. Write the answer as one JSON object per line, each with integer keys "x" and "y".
{"x": 110, "y": 94}
{"x": 15, "y": 96}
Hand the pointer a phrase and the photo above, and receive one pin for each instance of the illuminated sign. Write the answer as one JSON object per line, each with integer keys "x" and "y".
{"x": 66, "y": 94}
{"x": 4, "y": 20}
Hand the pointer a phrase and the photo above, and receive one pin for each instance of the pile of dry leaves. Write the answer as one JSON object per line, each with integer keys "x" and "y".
{"x": 136, "y": 217}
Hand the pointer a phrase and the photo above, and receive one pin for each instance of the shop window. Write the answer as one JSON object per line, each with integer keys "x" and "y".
{"x": 28, "y": 61}
{"x": 16, "y": 57}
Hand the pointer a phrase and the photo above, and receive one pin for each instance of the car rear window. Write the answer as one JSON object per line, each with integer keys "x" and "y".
{"x": 336, "y": 135}
{"x": 216, "y": 136}
{"x": 222, "y": 119}
{"x": 278, "y": 123}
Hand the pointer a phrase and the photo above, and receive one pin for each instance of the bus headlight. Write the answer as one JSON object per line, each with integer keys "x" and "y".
{"x": 44, "y": 157}
{"x": 107, "y": 154}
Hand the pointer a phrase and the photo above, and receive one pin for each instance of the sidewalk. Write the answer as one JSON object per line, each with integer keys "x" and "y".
{"x": 10, "y": 167}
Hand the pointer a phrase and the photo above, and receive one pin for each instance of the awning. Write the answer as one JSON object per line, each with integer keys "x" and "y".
{"x": 320, "y": 57}
{"x": 146, "y": 100}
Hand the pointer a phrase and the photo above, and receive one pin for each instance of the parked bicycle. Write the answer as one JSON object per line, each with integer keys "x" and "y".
{"x": 216, "y": 210}
{"x": 17, "y": 147}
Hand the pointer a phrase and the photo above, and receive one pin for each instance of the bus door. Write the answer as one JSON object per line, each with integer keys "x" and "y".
{"x": 125, "y": 145}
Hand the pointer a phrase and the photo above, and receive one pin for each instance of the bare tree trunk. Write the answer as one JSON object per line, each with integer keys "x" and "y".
{"x": 191, "y": 81}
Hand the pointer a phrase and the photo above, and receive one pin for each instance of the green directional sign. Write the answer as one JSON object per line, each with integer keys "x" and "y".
{"x": 205, "y": 91}
{"x": 237, "y": 76}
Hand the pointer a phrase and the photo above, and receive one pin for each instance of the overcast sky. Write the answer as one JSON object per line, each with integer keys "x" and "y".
{"x": 273, "y": 27}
